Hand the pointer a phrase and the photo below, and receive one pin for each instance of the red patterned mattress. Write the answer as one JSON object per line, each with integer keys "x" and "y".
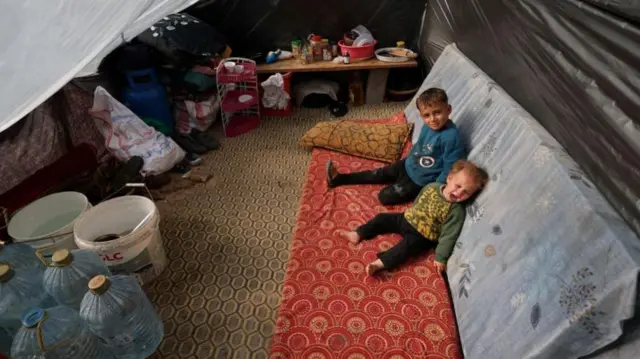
{"x": 330, "y": 308}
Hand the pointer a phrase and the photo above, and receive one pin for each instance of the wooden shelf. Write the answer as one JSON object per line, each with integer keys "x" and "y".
{"x": 294, "y": 65}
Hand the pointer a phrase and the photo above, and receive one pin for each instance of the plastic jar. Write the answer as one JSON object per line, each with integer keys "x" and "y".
{"x": 304, "y": 55}
{"x": 296, "y": 47}
{"x": 316, "y": 45}
{"x": 326, "y": 50}
{"x": 334, "y": 50}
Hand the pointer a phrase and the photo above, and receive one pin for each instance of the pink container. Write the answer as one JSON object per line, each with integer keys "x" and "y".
{"x": 357, "y": 52}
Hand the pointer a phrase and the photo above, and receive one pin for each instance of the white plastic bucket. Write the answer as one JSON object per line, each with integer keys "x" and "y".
{"x": 47, "y": 223}
{"x": 140, "y": 253}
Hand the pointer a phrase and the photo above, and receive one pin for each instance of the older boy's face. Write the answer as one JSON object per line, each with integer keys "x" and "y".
{"x": 435, "y": 115}
{"x": 460, "y": 186}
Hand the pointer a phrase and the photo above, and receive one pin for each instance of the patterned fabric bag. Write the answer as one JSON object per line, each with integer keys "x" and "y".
{"x": 126, "y": 135}
{"x": 190, "y": 114}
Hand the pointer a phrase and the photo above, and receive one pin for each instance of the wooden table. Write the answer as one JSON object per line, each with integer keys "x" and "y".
{"x": 293, "y": 65}
{"x": 376, "y": 84}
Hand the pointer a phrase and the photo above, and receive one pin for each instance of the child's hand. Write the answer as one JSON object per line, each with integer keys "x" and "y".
{"x": 440, "y": 267}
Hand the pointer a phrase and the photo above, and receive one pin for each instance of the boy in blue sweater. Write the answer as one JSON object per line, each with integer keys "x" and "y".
{"x": 437, "y": 149}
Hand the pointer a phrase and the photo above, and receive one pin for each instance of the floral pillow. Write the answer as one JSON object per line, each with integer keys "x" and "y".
{"x": 376, "y": 141}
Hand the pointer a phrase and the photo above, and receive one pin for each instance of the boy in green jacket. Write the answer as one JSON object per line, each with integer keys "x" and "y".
{"x": 434, "y": 220}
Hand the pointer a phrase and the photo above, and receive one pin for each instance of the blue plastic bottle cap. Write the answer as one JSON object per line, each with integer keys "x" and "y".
{"x": 32, "y": 317}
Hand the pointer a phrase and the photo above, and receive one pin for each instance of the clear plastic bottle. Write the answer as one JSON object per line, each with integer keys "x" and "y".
{"x": 19, "y": 255}
{"x": 326, "y": 50}
{"x": 118, "y": 311}
{"x": 296, "y": 48}
{"x": 5, "y": 342}
{"x": 56, "y": 333}
{"x": 19, "y": 290}
{"x": 316, "y": 47}
{"x": 68, "y": 275}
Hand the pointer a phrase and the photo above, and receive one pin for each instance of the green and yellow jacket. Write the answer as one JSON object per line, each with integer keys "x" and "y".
{"x": 437, "y": 219}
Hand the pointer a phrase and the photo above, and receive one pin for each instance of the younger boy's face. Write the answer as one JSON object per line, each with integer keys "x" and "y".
{"x": 435, "y": 115}
{"x": 460, "y": 186}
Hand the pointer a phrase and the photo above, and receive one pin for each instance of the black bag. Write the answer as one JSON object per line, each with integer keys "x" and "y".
{"x": 184, "y": 40}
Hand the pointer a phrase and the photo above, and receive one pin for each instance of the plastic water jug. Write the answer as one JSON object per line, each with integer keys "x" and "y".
{"x": 146, "y": 97}
{"x": 19, "y": 290}
{"x": 19, "y": 255}
{"x": 56, "y": 333}
{"x": 69, "y": 273}
{"x": 117, "y": 310}
{"x": 5, "y": 342}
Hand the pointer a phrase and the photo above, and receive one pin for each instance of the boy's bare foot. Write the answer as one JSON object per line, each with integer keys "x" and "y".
{"x": 332, "y": 172}
{"x": 374, "y": 266}
{"x": 352, "y": 237}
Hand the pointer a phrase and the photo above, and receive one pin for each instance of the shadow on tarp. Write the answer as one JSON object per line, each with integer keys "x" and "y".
{"x": 572, "y": 64}
{"x": 259, "y": 25}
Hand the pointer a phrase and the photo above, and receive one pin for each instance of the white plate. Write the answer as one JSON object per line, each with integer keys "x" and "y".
{"x": 385, "y": 58}
{"x": 245, "y": 98}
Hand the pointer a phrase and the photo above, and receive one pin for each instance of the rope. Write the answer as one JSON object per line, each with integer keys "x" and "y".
{"x": 130, "y": 185}
{"x": 41, "y": 340}
{"x": 47, "y": 237}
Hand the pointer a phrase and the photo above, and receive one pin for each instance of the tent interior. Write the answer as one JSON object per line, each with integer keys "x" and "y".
{"x": 542, "y": 92}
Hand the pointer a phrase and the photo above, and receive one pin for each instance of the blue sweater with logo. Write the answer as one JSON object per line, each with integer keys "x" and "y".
{"x": 434, "y": 153}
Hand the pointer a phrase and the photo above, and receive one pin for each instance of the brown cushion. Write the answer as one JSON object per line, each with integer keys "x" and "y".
{"x": 383, "y": 142}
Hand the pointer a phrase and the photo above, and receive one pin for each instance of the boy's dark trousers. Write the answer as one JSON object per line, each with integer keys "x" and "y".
{"x": 412, "y": 243}
{"x": 402, "y": 189}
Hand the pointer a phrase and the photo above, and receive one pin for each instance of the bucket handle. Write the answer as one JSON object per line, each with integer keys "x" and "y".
{"x": 6, "y": 217}
{"x": 130, "y": 185}
{"x": 41, "y": 339}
